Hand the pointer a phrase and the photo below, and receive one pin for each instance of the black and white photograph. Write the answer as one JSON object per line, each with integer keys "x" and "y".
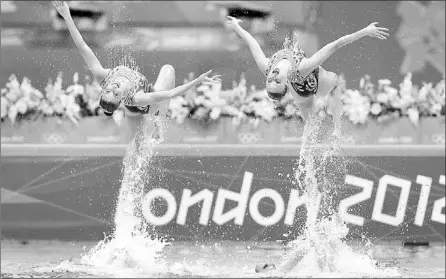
{"x": 222, "y": 139}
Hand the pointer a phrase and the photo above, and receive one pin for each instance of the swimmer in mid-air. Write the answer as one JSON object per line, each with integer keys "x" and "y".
{"x": 127, "y": 85}
{"x": 289, "y": 70}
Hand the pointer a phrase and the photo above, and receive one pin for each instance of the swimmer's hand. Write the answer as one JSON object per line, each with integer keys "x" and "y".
{"x": 261, "y": 268}
{"x": 378, "y": 32}
{"x": 204, "y": 79}
{"x": 233, "y": 22}
{"x": 62, "y": 8}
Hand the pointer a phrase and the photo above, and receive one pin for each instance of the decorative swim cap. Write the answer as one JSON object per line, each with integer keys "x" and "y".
{"x": 136, "y": 79}
{"x": 294, "y": 56}
{"x": 292, "y": 52}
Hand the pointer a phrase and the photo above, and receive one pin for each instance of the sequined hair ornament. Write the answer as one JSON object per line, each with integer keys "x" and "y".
{"x": 292, "y": 52}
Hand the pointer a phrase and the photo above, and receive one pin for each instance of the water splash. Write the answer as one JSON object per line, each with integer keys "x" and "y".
{"x": 321, "y": 248}
{"x": 122, "y": 54}
{"x": 134, "y": 245}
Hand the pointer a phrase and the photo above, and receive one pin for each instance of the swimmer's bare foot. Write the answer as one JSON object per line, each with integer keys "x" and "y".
{"x": 260, "y": 268}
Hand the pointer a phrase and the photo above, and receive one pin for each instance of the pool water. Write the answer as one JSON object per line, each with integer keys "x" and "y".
{"x": 211, "y": 259}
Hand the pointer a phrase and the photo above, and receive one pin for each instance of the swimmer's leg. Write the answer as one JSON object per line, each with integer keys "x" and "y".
{"x": 166, "y": 78}
{"x": 164, "y": 82}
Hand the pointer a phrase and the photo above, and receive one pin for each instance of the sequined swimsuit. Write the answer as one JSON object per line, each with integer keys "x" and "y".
{"x": 304, "y": 86}
{"x": 138, "y": 81}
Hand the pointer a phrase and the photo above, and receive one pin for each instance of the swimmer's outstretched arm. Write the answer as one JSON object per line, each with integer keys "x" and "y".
{"x": 142, "y": 99}
{"x": 309, "y": 64}
{"x": 256, "y": 50}
{"x": 89, "y": 57}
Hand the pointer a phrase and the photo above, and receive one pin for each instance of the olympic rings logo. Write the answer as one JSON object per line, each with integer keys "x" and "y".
{"x": 247, "y": 138}
{"x": 54, "y": 138}
{"x": 438, "y": 138}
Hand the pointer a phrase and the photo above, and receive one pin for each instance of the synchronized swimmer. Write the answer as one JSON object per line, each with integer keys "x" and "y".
{"x": 289, "y": 70}
{"x": 127, "y": 85}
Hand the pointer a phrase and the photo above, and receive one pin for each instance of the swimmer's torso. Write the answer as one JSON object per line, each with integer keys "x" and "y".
{"x": 318, "y": 82}
{"x": 137, "y": 82}
{"x": 150, "y": 121}
{"x": 326, "y": 82}
{"x": 159, "y": 109}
